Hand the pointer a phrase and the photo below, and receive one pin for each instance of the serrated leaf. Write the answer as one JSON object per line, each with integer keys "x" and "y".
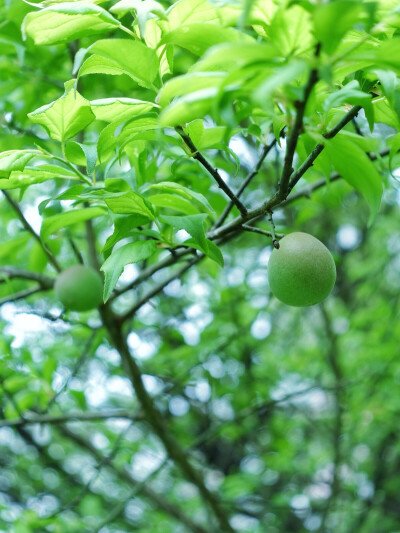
{"x": 122, "y": 56}
{"x": 192, "y": 224}
{"x": 66, "y": 116}
{"x": 127, "y": 254}
{"x": 130, "y": 203}
{"x": 53, "y": 224}
{"x": 357, "y": 169}
{"x": 67, "y": 21}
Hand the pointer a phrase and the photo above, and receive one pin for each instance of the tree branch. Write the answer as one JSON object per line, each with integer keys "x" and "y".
{"x": 213, "y": 171}
{"x": 10, "y": 272}
{"x": 29, "y": 228}
{"x": 28, "y": 419}
{"x": 296, "y": 131}
{"x": 157, "y": 422}
{"x": 267, "y": 148}
{"x": 319, "y": 147}
{"x": 157, "y": 499}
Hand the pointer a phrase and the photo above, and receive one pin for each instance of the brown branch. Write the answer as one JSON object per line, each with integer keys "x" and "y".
{"x": 319, "y": 147}
{"x": 157, "y": 422}
{"x": 213, "y": 171}
{"x": 29, "y": 228}
{"x": 296, "y": 131}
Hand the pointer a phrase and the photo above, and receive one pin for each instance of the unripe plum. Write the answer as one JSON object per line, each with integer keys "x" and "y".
{"x": 301, "y": 271}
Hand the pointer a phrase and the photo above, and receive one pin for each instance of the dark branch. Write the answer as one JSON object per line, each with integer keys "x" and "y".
{"x": 267, "y": 148}
{"x": 213, "y": 171}
{"x": 29, "y": 228}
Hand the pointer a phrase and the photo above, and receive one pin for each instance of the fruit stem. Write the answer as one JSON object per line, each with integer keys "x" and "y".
{"x": 272, "y": 226}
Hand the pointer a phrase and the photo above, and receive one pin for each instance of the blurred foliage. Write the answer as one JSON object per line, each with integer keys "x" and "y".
{"x": 289, "y": 414}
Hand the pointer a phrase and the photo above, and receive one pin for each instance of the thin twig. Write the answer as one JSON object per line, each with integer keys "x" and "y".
{"x": 29, "y": 418}
{"x": 158, "y": 288}
{"x": 21, "y": 295}
{"x": 252, "y": 229}
{"x": 156, "y": 420}
{"x": 29, "y": 228}
{"x": 267, "y": 148}
{"x": 213, "y": 171}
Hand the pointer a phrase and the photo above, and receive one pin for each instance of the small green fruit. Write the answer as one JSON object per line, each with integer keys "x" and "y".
{"x": 79, "y": 288}
{"x": 301, "y": 271}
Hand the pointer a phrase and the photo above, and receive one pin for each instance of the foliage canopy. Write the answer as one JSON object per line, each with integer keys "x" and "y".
{"x": 166, "y": 145}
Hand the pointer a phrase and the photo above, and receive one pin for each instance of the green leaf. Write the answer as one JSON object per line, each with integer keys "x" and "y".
{"x": 171, "y": 201}
{"x": 127, "y": 254}
{"x": 130, "y": 203}
{"x": 8, "y": 248}
{"x": 172, "y": 187}
{"x": 66, "y": 116}
{"x": 67, "y": 21}
{"x": 189, "y": 83}
{"x": 352, "y": 94}
{"x": 188, "y": 107}
{"x": 122, "y": 228}
{"x": 82, "y": 155}
{"x": 212, "y": 251}
{"x": 108, "y": 140}
{"x": 124, "y": 108}
{"x": 187, "y": 11}
{"x": 192, "y": 224}
{"x": 333, "y": 20}
{"x": 198, "y": 37}
{"x": 53, "y": 224}
{"x": 32, "y": 176}
{"x": 15, "y": 160}
{"x": 205, "y": 137}
{"x": 282, "y": 76}
{"x": 122, "y": 56}
{"x": 290, "y": 31}
{"x": 232, "y": 56}
{"x": 145, "y": 10}
{"x": 385, "y": 114}
{"x": 353, "y": 165}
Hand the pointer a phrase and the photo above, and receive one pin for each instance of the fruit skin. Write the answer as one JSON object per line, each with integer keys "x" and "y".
{"x": 301, "y": 271}
{"x": 79, "y": 288}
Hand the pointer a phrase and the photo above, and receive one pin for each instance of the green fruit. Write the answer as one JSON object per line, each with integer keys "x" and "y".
{"x": 79, "y": 288}
{"x": 301, "y": 271}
